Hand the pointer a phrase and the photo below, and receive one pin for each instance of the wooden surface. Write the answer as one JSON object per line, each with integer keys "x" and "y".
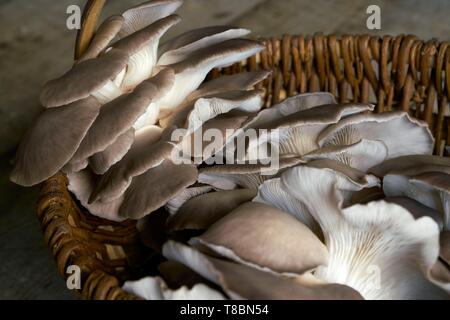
{"x": 40, "y": 47}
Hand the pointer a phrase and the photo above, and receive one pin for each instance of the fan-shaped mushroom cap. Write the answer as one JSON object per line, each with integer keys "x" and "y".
{"x": 102, "y": 161}
{"x": 431, "y": 189}
{"x": 142, "y": 197}
{"x": 142, "y": 47}
{"x": 249, "y": 176}
{"x": 119, "y": 115}
{"x": 148, "y": 151}
{"x": 104, "y": 35}
{"x": 238, "y": 81}
{"x": 179, "y": 48}
{"x": 154, "y": 288}
{"x": 244, "y": 282}
{"x": 290, "y": 106}
{"x": 412, "y": 165}
{"x": 191, "y": 72}
{"x": 144, "y": 14}
{"x": 266, "y": 238}
{"x": 402, "y": 134}
{"x": 83, "y": 79}
{"x": 52, "y": 141}
{"x": 361, "y": 155}
{"x": 202, "y": 211}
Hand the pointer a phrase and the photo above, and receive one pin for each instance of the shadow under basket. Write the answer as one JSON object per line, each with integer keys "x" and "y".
{"x": 394, "y": 73}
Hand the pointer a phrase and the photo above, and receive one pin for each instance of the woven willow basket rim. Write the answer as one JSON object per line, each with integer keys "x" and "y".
{"x": 401, "y": 72}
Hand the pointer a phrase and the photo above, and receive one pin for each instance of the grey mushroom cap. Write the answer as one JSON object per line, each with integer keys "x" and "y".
{"x": 224, "y": 52}
{"x": 412, "y": 165}
{"x": 144, "y": 14}
{"x": 102, "y": 161}
{"x": 244, "y": 282}
{"x": 181, "y": 47}
{"x": 139, "y": 200}
{"x": 202, "y": 211}
{"x": 151, "y": 34}
{"x": 119, "y": 115}
{"x": 266, "y": 238}
{"x": 83, "y": 79}
{"x": 52, "y": 141}
{"x": 104, "y": 35}
{"x": 239, "y": 81}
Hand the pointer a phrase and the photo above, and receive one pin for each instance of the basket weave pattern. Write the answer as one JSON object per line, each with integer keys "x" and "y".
{"x": 401, "y": 73}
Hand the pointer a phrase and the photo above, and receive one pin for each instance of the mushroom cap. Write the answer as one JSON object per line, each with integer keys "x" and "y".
{"x": 238, "y": 81}
{"x": 148, "y": 36}
{"x": 401, "y": 133}
{"x": 244, "y": 282}
{"x": 264, "y": 237}
{"x": 140, "y": 16}
{"x": 179, "y": 48}
{"x": 139, "y": 200}
{"x": 104, "y": 35}
{"x": 52, "y": 141}
{"x": 412, "y": 165}
{"x": 432, "y": 189}
{"x": 290, "y": 106}
{"x": 202, "y": 211}
{"x": 89, "y": 76}
{"x": 102, "y": 161}
{"x": 119, "y": 115}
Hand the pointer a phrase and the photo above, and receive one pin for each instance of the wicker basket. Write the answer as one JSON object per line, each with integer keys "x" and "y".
{"x": 399, "y": 72}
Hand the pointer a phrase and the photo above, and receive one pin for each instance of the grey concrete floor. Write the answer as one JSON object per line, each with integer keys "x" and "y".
{"x": 36, "y": 46}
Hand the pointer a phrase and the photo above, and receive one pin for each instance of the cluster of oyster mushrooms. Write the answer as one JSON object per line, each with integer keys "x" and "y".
{"x": 357, "y": 208}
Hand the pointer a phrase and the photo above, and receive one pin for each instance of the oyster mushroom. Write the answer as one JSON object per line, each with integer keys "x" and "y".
{"x": 272, "y": 193}
{"x": 401, "y": 134}
{"x": 298, "y": 132}
{"x": 202, "y": 211}
{"x": 244, "y": 282}
{"x": 107, "y": 31}
{"x": 89, "y": 75}
{"x": 384, "y": 253}
{"x": 144, "y": 14}
{"x": 431, "y": 189}
{"x": 265, "y": 238}
{"x": 52, "y": 141}
{"x": 180, "y": 47}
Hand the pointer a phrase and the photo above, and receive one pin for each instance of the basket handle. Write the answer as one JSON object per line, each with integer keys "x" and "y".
{"x": 91, "y": 14}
